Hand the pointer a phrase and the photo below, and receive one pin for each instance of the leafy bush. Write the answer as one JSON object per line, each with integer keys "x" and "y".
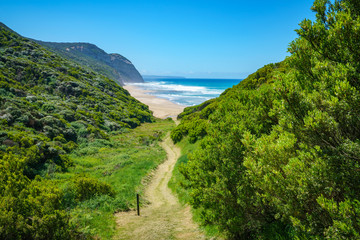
{"x": 30, "y": 209}
{"x": 176, "y": 135}
{"x": 86, "y": 187}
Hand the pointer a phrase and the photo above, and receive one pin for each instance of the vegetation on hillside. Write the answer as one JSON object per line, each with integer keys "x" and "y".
{"x": 75, "y": 54}
{"x": 114, "y": 66}
{"x": 48, "y": 107}
{"x": 107, "y": 174}
{"x": 195, "y": 119}
{"x": 279, "y": 153}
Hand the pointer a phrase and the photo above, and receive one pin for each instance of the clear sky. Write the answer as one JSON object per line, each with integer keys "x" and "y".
{"x": 192, "y": 38}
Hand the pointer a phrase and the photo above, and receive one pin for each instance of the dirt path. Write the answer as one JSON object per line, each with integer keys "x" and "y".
{"x": 164, "y": 217}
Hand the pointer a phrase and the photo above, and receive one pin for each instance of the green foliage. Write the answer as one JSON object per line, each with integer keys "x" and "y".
{"x": 30, "y": 209}
{"x": 112, "y": 66}
{"x": 193, "y": 109}
{"x": 282, "y": 147}
{"x": 86, "y": 188}
{"x": 216, "y": 172}
{"x": 48, "y": 107}
{"x": 266, "y": 74}
{"x": 80, "y": 202}
{"x": 107, "y": 174}
{"x": 43, "y": 94}
{"x": 180, "y": 186}
{"x": 195, "y": 119}
{"x": 176, "y": 135}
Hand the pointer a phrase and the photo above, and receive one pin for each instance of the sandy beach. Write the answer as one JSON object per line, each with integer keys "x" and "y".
{"x": 161, "y": 108}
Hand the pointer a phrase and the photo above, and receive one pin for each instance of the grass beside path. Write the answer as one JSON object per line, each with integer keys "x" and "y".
{"x": 121, "y": 163}
{"x": 164, "y": 217}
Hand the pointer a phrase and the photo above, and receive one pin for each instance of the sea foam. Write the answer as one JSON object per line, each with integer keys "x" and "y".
{"x": 187, "y": 92}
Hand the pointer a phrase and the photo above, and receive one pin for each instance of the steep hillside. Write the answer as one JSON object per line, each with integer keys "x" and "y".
{"x": 195, "y": 119}
{"x": 46, "y": 95}
{"x": 279, "y": 154}
{"x": 48, "y": 107}
{"x": 113, "y": 66}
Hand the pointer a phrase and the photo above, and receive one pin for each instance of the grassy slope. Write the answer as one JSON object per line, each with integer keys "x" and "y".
{"x": 122, "y": 162}
{"x": 56, "y": 103}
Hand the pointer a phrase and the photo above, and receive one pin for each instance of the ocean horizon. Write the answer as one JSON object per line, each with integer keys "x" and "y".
{"x": 185, "y": 91}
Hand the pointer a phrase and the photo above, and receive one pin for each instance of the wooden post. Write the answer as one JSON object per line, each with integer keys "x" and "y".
{"x": 138, "y": 204}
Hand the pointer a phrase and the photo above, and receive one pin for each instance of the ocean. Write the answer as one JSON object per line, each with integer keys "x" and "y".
{"x": 186, "y": 91}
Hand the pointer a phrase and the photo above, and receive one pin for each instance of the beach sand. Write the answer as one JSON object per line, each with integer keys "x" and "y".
{"x": 161, "y": 108}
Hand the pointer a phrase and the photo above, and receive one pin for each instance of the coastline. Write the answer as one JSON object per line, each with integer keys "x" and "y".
{"x": 160, "y": 107}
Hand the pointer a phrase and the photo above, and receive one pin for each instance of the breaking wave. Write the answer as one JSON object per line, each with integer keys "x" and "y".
{"x": 187, "y": 92}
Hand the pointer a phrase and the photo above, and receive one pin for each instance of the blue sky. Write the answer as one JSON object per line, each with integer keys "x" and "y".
{"x": 192, "y": 38}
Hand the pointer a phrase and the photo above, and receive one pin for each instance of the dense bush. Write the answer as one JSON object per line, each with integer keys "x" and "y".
{"x": 86, "y": 187}
{"x": 30, "y": 209}
{"x": 281, "y": 156}
{"x": 195, "y": 119}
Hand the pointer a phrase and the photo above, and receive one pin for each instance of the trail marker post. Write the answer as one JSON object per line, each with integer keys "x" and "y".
{"x": 138, "y": 204}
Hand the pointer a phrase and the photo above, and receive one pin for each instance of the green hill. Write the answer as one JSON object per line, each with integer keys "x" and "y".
{"x": 113, "y": 66}
{"x": 45, "y": 97}
{"x": 48, "y": 107}
{"x": 278, "y": 156}
{"x": 195, "y": 119}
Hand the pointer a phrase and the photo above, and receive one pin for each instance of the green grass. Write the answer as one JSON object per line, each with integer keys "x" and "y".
{"x": 180, "y": 186}
{"x": 122, "y": 162}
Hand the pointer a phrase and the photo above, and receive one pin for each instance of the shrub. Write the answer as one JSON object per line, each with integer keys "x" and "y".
{"x": 49, "y": 108}
{"x": 86, "y": 188}
{"x": 176, "y": 135}
{"x": 30, "y": 209}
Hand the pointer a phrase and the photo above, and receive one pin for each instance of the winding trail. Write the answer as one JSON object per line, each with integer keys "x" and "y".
{"x": 164, "y": 217}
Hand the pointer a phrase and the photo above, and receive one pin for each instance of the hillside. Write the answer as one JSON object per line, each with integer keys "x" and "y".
{"x": 113, "y": 66}
{"x": 49, "y": 106}
{"x": 195, "y": 119}
{"x": 46, "y": 94}
{"x": 277, "y": 156}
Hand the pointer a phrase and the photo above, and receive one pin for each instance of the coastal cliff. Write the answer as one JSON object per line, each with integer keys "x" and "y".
{"x": 113, "y": 65}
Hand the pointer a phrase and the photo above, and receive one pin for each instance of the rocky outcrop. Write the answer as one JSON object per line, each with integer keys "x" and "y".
{"x": 113, "y": 66}
{"x": 126, "y": 69}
